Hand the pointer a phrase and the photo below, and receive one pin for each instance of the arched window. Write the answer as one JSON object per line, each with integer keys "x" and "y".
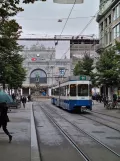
{"x": 38, "y": 76}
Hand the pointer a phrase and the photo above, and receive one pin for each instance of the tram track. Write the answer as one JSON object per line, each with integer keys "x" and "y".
{"x": 67, "y": 136}
{"x": 53, "y": 154}
{"x": 107, "y": 115}
{"x": 107, "y": 119}
{"x": 87, "y": 134}
{"x": 101, "y": 122}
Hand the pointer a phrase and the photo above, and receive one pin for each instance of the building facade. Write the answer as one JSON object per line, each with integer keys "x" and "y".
{"x": 43, "y": 70}
{"x": 109, "y": 29}
{"x": 80, "y": 47}
{"x": 42, "y": 66}
{"x": 109, "y": 22}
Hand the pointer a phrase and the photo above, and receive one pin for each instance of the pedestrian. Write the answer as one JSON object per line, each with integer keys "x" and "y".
{"x": 114, "y": 97}
{"x": 105, "y": 101}
{"x": 29, "y": 98}
{"x": 4, "y": 119}
{"x": 114, "y": 100}
{"x": 24, "y": 100}
{"x": 13, "y": 97}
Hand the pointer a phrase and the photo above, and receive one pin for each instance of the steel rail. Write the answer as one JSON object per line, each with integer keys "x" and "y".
{"x": 66, "y": 135}
{"x": 106, "y": 115}
{"x": 95, "y": 139}
{"x": 96, "y": 115}
{"x": 101, "y": 123}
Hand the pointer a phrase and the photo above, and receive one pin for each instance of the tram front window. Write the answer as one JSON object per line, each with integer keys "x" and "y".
{"x": 73, "y": 90}
{"x": 83, "y": 90}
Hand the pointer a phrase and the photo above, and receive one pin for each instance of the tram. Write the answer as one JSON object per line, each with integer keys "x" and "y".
{"x": 74, "y": 93}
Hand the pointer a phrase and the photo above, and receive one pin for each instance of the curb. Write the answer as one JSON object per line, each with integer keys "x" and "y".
{"x": 35, "y": 156}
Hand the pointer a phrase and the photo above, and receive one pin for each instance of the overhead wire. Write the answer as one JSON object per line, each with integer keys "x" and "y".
{"x": 68, "y": 17}
{"x": 56, "y": 43}
{"x": 20, "y": 18}
{"x": 81, "y": 33}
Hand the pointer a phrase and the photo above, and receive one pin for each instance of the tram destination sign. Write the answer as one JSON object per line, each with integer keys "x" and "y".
{"x": 82, "y": 77}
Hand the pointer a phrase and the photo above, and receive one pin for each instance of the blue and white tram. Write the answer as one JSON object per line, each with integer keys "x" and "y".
{"x": 75, "y": 93}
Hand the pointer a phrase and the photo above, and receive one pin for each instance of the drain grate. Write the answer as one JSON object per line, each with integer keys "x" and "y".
{"x": 116, "y": 138}
{"x": 98, "y": 132}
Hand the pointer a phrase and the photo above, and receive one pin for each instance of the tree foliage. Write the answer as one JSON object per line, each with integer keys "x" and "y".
{"x": 85, "y": 67}
{"x": 12, "y": 72}
{"x": 108, "y": 67}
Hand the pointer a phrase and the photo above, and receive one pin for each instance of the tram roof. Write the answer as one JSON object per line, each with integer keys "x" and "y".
{"x": 75, "y": 78}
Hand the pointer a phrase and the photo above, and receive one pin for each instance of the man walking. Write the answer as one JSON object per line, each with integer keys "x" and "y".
{"x": 4, "y": 119}
{"x": 24, "y": 100}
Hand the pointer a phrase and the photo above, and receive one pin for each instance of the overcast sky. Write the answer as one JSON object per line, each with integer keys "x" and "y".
{"x": 41, "y": 18}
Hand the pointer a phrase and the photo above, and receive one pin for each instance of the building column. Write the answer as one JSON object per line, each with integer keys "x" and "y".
{"x": 49, "y": 91}
{"x": 29, "y": 91}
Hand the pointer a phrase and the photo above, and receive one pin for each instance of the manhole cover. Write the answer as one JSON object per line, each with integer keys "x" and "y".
{"x": 98, "y": 132}
{"x": 116, "y": 138}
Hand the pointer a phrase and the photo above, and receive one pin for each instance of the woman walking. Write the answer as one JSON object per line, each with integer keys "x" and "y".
{"x": 4, "y": 119}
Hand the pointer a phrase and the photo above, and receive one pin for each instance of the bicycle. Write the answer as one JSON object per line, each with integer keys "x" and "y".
{"x": 112, "y": 105}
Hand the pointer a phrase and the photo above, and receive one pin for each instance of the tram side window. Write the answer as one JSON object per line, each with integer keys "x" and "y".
{"x": 83, "y": 90}
{"x": 73, "y": 90}
{"x": 52, "y": 91}
{"x": 55, "y": 92}
{"x": 63, "y": 91}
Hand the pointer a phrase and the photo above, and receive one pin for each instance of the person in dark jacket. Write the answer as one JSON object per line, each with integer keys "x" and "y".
{"x": 4, "y": 119}
{"x": 29, "y": 98}
{"x": 24, "y": 100}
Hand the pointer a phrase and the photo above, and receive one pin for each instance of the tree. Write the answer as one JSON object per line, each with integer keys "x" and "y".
{"x": 10, "y": 60}
{"x": 85, "y": 67}
{"x": 108, "y": 67}
{"x": 10, "y": 31}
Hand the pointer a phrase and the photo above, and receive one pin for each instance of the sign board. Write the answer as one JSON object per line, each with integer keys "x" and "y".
{"x": 68, "y": 1}
{"x": 82, "y": 77}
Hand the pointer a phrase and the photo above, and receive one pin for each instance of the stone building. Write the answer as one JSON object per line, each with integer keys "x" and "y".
{"x": 109, "y": 29}
{"x": 83, "y": 46}
{"x": 109, "y": 22}
{"x": 43, "y": 70}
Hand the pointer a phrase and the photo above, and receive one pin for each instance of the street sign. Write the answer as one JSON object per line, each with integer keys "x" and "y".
{"x": 68, "y": 1}
{"x": 82, "y": 77}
